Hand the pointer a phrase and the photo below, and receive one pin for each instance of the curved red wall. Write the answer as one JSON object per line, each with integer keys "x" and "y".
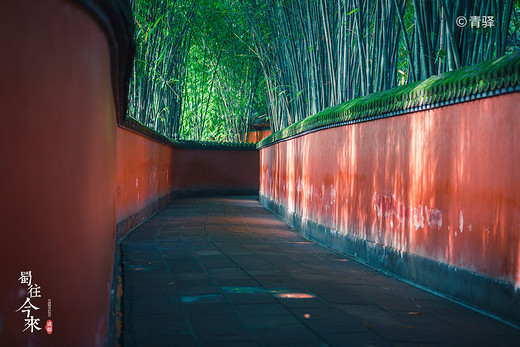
{"x": 69, "y": 175}
{"x": 441, "y": 184}
{"x": 150, "y": 172}
{"x": 58, "y": 143}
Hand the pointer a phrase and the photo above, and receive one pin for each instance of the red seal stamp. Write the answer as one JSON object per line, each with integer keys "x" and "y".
{"x": 48, "y": 327}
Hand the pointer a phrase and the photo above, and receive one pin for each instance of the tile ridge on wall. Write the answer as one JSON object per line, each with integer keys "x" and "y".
{"x": 135, "y": 126}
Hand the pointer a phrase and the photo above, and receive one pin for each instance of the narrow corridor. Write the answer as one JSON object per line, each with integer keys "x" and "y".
{"x": 226, "y": 271}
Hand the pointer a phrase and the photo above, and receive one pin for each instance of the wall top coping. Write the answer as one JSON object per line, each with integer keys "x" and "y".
{"x": 116, "y": 20}
{"x": 136, "y": 127}
{"x": 477, "y": 81}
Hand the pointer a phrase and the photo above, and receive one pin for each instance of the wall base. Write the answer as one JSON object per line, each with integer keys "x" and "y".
{"x": 493, "y": 297}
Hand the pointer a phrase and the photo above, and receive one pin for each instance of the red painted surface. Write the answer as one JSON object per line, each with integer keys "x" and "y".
{"x": 148, "y": 170}
{"x": 442, "y": 183}
{"x": 68, "y": 173}
{"x": 57, "y": 173}
{"x": 143, "y": 172}
{"x": 197, "y": 169}
{"x": 257, "y": 136}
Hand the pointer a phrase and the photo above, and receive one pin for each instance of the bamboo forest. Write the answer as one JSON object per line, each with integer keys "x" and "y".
{"x": 207, "y": 70}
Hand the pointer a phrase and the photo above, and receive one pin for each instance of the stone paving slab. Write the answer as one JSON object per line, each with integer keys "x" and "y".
{"x": 224, "y": 271}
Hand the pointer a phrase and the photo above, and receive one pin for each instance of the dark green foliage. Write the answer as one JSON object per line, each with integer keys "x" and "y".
{"x": 206, "y": 69}
{"x": 316, "y": 54}
{"x": 163, "y": 34}
{"x": 194, "y": 76}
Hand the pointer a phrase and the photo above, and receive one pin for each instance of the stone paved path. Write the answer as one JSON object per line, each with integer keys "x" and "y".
{"x": 227, "y": 272}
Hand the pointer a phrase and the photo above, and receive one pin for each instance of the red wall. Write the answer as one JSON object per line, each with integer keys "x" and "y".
{"x": 69, "y": 174}
{"x": 442, "y": 184}
{"x": 58, "y": 147}
{"x": 214, "y": 170}
{"x": 143, "y": 172}
{"x": 148, "y": 170}
{"x": 257, "y": 136}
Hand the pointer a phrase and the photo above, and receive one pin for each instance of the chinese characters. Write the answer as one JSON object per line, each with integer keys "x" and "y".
{"x": 476, "y": 21}
{"x": 28, "y": 307}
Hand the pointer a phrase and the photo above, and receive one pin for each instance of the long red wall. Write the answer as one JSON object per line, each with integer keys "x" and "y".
{"x": 70, "y": 176}
{"x": 441, "y": 184}
{"x": 58, "y": 148}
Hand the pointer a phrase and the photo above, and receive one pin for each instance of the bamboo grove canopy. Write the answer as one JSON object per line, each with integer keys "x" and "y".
{"x": 206, "y": 69}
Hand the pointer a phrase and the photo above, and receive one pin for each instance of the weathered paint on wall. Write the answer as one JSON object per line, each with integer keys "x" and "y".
{"x": 57, "y": 143}
{"x": 442, "y": 184}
